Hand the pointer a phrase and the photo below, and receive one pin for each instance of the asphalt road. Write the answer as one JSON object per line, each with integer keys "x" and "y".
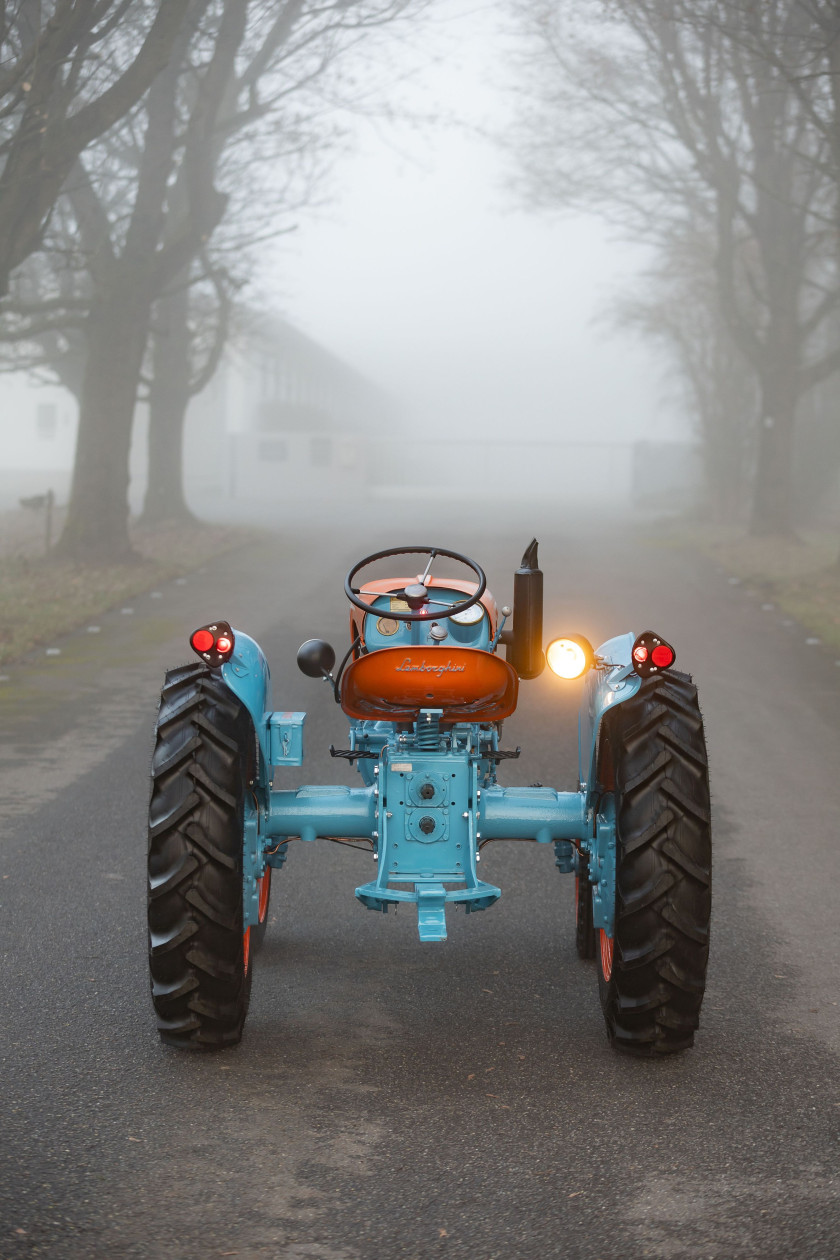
{"x": 392, "y": 1099}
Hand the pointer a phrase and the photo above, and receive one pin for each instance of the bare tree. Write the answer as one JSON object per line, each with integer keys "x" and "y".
{"x": 188, "y": 335}
{"x": 678, "y": 308}
{"x": 658, "y": 115}
{"x": 273, "y": 172}
{"x": 146, "y": 204}
{"x": 68, "y": 72}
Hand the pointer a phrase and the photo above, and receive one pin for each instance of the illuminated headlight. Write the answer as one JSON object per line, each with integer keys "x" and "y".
{"x": 570, "y": 657}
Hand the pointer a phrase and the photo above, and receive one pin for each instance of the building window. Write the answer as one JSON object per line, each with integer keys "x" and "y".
{"x": 47, "y": 421}
{"x": 273, "y": 451}
{"x": 321, "y": 450}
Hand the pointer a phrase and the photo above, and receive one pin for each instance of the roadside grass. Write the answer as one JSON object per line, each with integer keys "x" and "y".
{"x": 801, "y": 578}
{"x": 42, "y": 598}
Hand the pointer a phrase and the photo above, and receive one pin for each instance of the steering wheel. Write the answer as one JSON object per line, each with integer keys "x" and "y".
{"x": 417, "y": 595}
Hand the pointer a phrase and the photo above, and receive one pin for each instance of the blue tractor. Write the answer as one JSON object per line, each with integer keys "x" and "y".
{"x": 426, "y": 689}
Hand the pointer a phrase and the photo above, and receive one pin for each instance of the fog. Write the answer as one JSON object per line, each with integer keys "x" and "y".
{"x": 428, "y": 273}
{"x": 487, "y": 325}
{"x": 389, "y": 285}
{"x": 418, "y": 266}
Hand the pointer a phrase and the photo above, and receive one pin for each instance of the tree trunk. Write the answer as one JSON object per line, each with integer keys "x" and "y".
{"x": 169, "y": 396}
{"x": 48, "y": 138}
{"x": 772, "y": 512}
{"x": 96, "y": 528}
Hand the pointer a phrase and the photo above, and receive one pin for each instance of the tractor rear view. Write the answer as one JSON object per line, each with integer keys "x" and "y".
{"x": 432, "y": 670}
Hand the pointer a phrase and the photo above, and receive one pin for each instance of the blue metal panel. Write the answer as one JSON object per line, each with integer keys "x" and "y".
{"x": 431, "y": 912}
{"x": 425, "y": 825}
{"x": 427, "y": 833}
{"x": 280, "y": 735}
{"x": 602, "y": 867}
{"x": 611, "y": 682}
{"x": 310, "y": 812}
{"x": 253, "y": 865}
{"x": 247, "y": 674}
{"x": 542, "y": 814}
{"x": 408, "y": 633}
{"x": 285, "y": 732}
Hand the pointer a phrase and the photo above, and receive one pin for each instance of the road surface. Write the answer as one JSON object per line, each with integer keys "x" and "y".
{"x": 406, "y": 1101}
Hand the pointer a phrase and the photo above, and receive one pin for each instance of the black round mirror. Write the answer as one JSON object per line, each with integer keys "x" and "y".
{"x": 315, "y": 658}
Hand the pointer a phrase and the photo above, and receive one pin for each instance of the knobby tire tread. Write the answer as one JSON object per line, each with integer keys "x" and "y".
{"x": 657, "y": 745}
{"x": 584, "y": 930}
{"x": 200, "y": 989}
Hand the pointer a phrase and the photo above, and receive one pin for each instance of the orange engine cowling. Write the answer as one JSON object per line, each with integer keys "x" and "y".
{"x": 391, "y": 684}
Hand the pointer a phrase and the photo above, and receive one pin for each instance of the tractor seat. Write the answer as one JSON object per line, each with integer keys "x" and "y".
{"x": 468, "y": 684}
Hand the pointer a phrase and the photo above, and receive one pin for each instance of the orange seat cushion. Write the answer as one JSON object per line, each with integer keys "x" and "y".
{"x": 393, "y": 683}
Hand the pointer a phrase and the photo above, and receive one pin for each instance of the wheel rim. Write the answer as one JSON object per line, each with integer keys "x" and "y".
{"x": 263, "y": 891}
{"x": 246, "y": 950}
{"x": 607, "y": 948}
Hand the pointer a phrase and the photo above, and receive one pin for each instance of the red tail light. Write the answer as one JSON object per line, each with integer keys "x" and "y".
{"x": 213, "y": 643}
{"x": 651, "y": 654}
{"x": 663, "y": 656}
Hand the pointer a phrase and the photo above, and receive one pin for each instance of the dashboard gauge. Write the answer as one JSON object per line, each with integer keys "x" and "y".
{"x": 387, "y": 625}
{"x": 470, "y": 616}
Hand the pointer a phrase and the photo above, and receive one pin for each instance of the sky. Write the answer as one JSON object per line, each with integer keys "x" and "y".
{"x": 426, "y": 273}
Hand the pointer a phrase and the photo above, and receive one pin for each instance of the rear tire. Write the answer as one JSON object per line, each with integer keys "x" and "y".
{"x": 652, "y": 973}
{"x": 198, "y": 955}
{"x": 584, "y": 931}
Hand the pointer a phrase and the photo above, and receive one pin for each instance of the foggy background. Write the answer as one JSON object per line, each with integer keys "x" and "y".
{"x": 428, "y": 274}
{"x": 416, "y": 250}
{"x": 440, "y": 308}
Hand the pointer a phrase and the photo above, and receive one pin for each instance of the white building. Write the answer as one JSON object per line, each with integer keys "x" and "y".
{"x": 37, "y": 439}
{"x": 283, "y": 420}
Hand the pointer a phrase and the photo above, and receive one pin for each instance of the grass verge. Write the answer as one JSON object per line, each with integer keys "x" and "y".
{"x": 41, "y": 599}
{"x": 801, "y": 578}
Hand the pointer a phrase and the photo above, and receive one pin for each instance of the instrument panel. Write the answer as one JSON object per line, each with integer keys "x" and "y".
{"x": 469, "y": 628}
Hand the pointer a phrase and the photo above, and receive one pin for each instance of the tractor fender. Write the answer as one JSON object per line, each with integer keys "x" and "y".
{"x": 248, "y": 677}
{"x": 610, "y": 682}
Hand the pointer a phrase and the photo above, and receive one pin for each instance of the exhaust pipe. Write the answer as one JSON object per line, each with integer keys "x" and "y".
{"x": 524, "y": 647}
